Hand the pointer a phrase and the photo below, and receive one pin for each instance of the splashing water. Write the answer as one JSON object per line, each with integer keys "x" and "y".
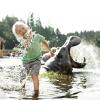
{"x": 90, "y": 52}
{"x": 84, "y": 85}
{"x": 9, "y": 77}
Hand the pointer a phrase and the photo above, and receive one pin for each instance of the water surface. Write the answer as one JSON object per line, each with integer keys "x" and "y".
{"x": 83, "y": 85}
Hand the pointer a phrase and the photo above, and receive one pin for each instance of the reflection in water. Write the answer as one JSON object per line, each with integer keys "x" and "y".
{"x": 80, "y": 83}
{"x": 83, "y": 85}
{"x": 67, "y": 86}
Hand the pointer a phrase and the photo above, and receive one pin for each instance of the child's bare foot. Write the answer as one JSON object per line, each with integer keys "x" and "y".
{"x": 36, "y": 93}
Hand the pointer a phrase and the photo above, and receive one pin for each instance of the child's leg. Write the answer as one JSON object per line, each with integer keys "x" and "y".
{"x": 35, "y": 82}
{"x": 24, "y": 72}
{"x": 35, "y": 72}
{"x": 36, "y": 85}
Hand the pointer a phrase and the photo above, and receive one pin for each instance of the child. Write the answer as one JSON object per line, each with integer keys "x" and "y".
{"x": 32, "y": 44}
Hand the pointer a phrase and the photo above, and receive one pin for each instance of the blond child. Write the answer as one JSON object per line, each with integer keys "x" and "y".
{"x": 32, "y": 44}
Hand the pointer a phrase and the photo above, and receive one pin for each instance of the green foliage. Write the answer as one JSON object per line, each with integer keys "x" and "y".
{"x": 55, "y": 37}
{"x": 57, "y": 76}
{"x": 6, "y": 32}
{"x": 88, "y": 36}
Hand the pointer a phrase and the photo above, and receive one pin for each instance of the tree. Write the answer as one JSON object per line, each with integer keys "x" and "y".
{"x": 30, "y": 22}
{"x": 6, "y": 31}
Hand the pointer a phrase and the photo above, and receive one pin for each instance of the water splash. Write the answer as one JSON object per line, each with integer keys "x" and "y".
{"x": 90, "y": 52}
{"x": 10, "y": 74}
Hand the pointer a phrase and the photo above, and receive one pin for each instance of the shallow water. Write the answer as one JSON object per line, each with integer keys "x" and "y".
{"x": 83, "y": 85}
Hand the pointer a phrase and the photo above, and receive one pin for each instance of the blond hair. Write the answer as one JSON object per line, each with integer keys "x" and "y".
{"x": 18, "y": 23}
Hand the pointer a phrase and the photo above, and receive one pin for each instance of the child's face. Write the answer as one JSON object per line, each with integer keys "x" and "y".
{"x": 21, "y": 30}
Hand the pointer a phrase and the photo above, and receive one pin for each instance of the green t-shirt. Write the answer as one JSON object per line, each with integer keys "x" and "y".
{"x": 34, "y": 51}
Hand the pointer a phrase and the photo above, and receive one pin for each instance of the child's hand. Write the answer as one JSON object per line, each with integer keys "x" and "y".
{"x": 52, "y": 54}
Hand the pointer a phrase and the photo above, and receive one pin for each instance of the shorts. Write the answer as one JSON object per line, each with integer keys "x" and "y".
{"x": 32, "y": 67}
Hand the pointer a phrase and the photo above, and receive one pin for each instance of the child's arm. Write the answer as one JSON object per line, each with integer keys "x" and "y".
{"x": 47, "y": 46}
